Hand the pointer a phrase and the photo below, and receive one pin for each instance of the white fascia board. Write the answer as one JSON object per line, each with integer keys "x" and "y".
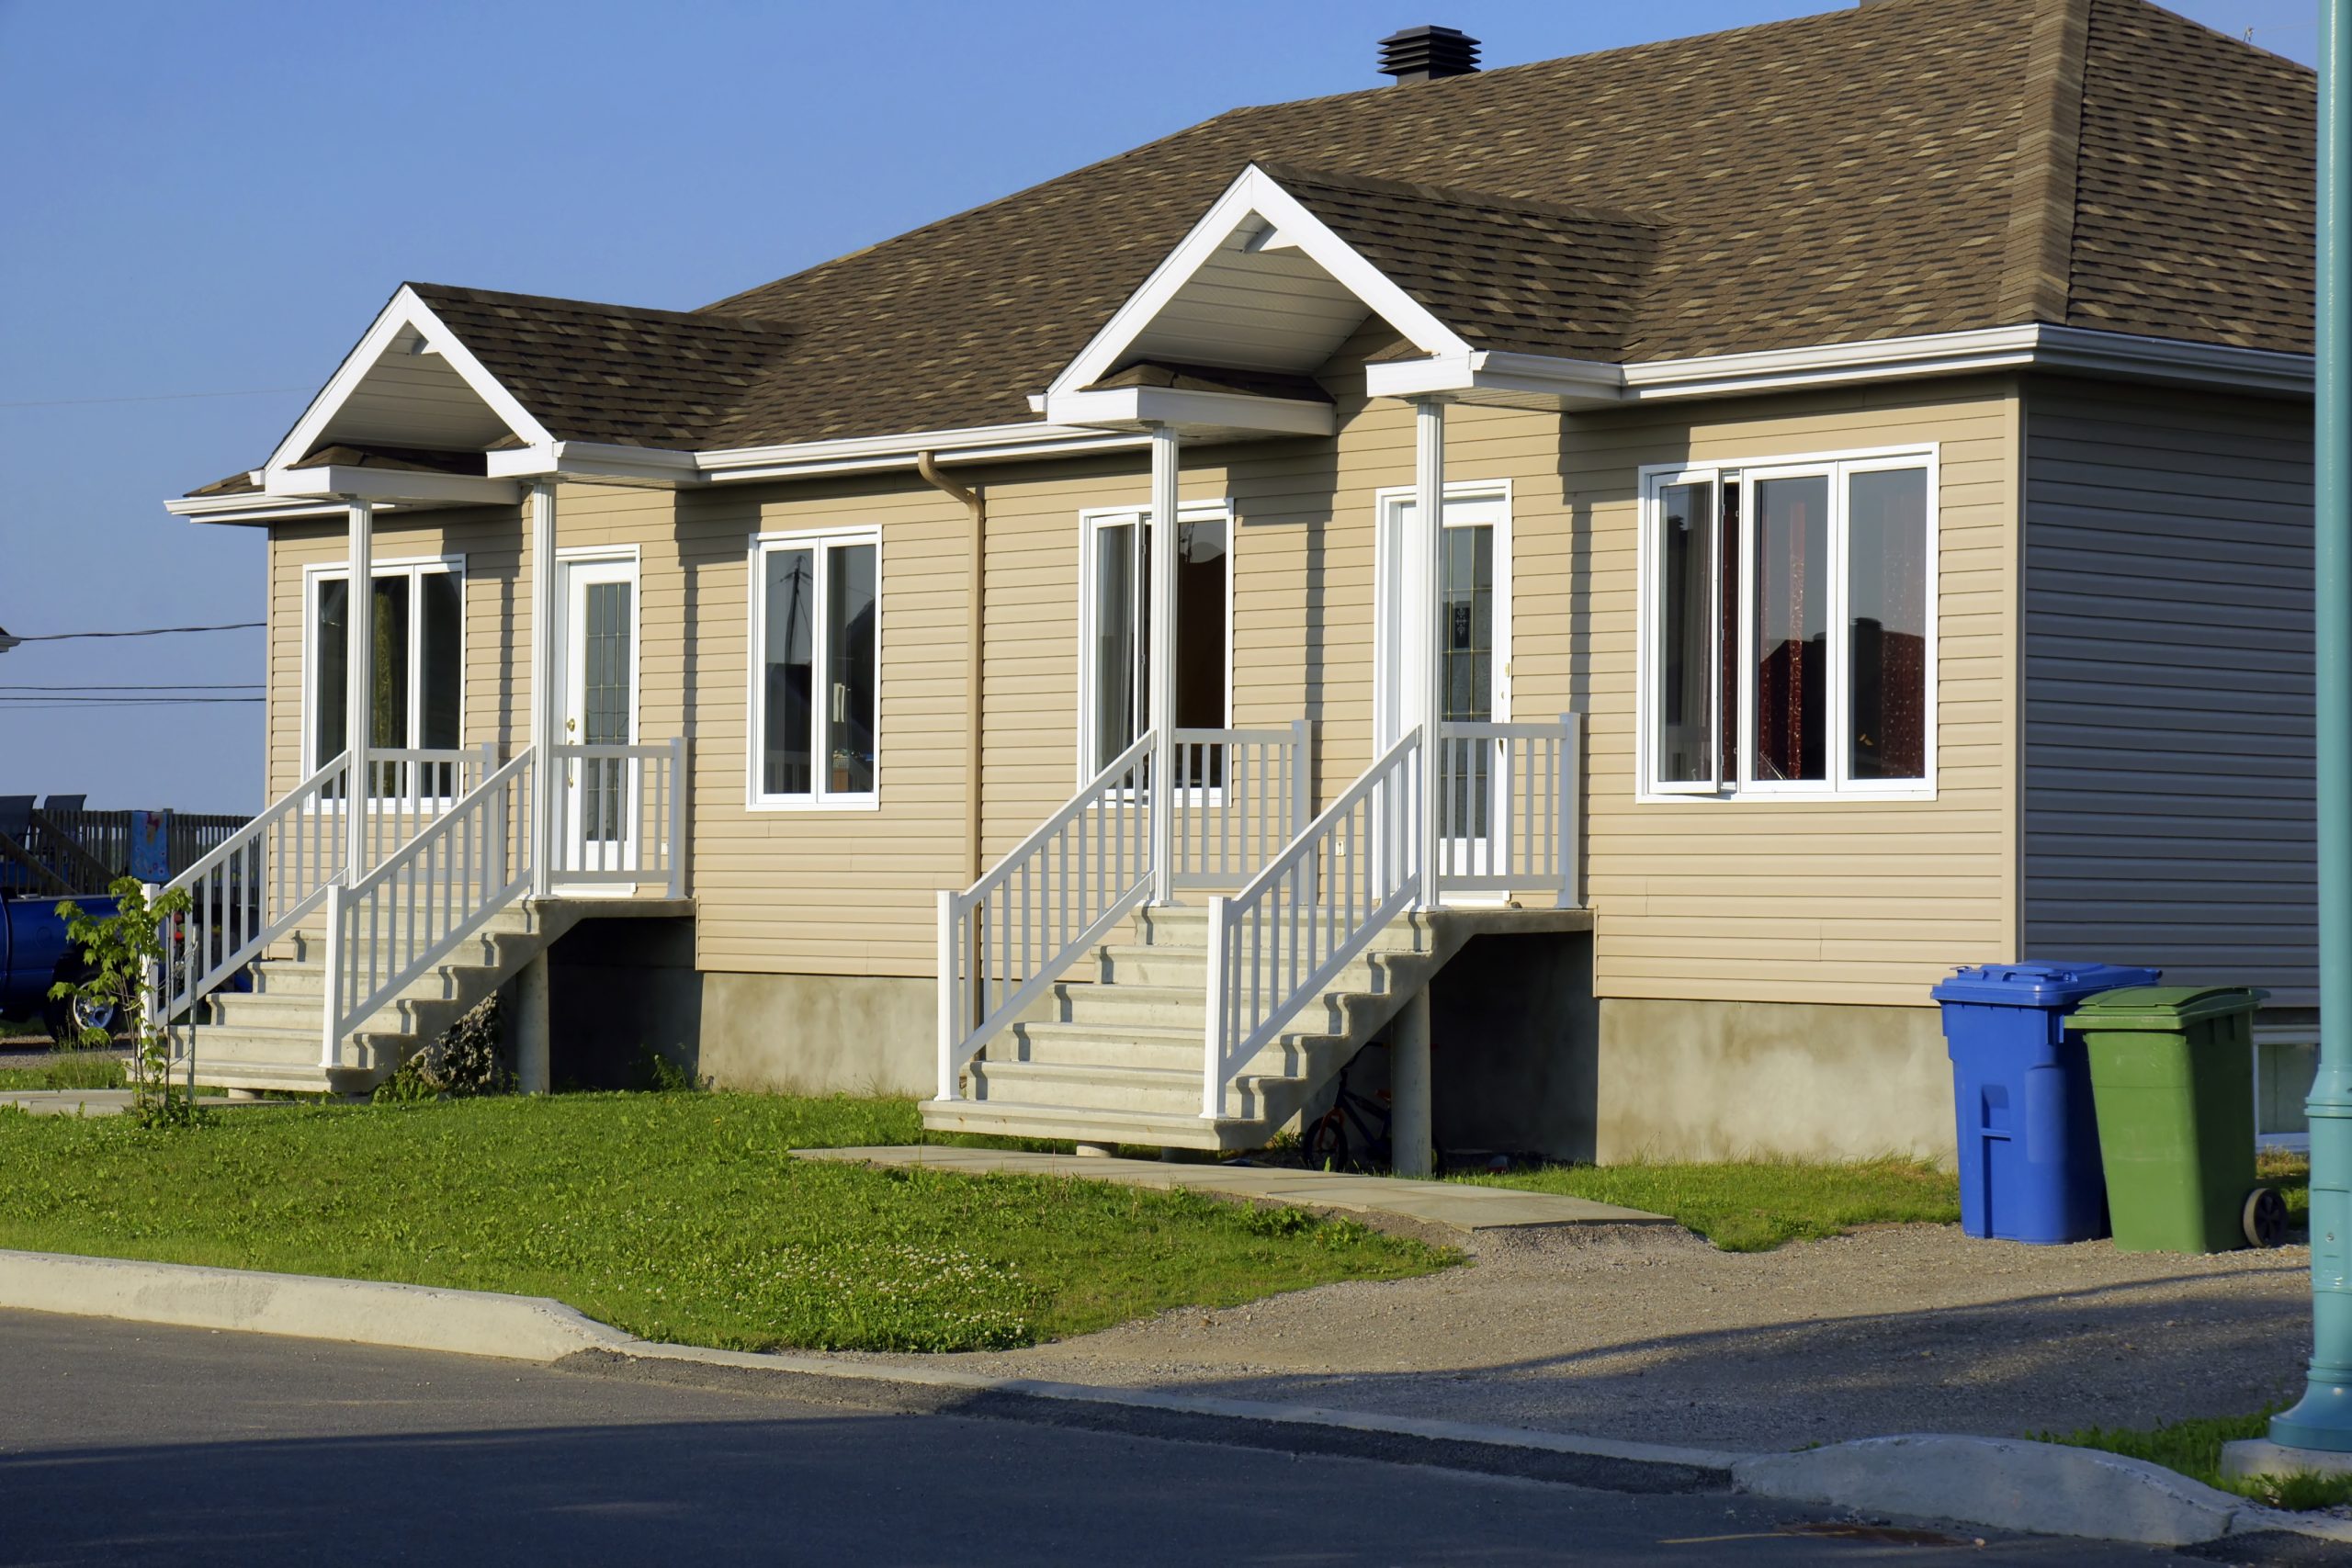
{"x": 338, "y": 481}
{"x": 257, "y": 509}
{"x": 1126, "y": 408}
{"x": 1572, "y": 382}
{"x": 1254, "y": 197}
{"x": 595, "y": 460}
{"x": 406, "y": 312}
{"x": 867, "y": 454}
{"x": 1541, "y": 377}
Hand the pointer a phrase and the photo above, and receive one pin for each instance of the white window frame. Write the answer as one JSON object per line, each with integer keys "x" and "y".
{"x": 1837, "y": 468}
{"x": 819, "y": 541}
{"x": 1091, "y": 520}
{"x": 410, "y": 567}
{"x": 1388, "y": 513}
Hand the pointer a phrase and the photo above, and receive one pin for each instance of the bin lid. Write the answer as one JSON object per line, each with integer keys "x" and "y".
{"x": 2039, "y": 982}
{"x": 2162, "y": 1008}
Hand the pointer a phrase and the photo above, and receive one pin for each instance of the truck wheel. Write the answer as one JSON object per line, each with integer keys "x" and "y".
{"x": 2264, "y": 1217}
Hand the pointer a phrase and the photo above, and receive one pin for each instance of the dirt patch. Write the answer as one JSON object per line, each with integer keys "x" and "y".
{"x": 1649, "y": 1333}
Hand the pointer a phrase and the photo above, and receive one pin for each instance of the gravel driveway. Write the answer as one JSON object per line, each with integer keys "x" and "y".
{"x": 1652, "y": 1334}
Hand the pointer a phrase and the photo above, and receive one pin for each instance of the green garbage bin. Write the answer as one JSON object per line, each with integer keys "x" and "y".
{"x": 2172, "y": 1075}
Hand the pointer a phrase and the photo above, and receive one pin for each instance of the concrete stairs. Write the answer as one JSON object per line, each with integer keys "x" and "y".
{"x": 269, "y": 1038}
{"x": 1117, "y": 1059}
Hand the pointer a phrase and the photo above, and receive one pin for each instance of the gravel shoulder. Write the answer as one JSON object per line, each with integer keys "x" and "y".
{"x": 1650, "y": 1334}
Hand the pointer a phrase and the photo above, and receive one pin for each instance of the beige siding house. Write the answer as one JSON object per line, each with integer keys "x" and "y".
{"x": 1590, "y": 650}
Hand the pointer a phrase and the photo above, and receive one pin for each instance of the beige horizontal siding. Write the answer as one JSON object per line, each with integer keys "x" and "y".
{"x": 1727, "y": 900}
{"x": 2169, "y": 795}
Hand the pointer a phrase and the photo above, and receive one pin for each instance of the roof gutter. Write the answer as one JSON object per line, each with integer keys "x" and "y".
{"x": 1543, "y": 380}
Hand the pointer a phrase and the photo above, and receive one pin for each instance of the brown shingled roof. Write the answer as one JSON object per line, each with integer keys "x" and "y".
{"x": 1906, "y": 167}
{"x": 612, "y": 373}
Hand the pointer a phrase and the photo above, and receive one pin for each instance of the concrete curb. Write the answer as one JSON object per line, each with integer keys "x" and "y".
{"x": 2000, "y": 1483}
{"x": 2012, "y": 1483}
{"x": 359, "y": 1312}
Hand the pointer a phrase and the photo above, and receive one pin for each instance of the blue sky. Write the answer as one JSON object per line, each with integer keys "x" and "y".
{"x": 206, "y": 205}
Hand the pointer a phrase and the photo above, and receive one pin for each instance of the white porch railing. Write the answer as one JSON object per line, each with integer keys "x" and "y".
{"x": 1274, "y": 945}
{"x": 1014, "y": 932}
{"x": 1241, "y": 795}
{"x": 258, "y": 883}
{"x": 409, "y": 786}
{"x": 1508, "y": 816}
{"x": 620, "y": 816}
{"x": 389, "y": 927}
{"x": 251, "y": 889}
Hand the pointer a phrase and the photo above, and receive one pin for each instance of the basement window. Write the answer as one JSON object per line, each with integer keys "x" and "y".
{"x": 1788, "y": 636}
{"x": 816, "y": 675}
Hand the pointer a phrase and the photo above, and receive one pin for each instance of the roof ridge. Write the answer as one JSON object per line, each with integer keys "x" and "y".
{"x": 1463, "y": 195}
{"x": 2037, "y": 266}
{"x": 765, "y": 326}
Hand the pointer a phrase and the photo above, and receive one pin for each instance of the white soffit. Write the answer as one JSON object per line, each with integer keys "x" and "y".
{"x": 1259, "y": 284}
{"x": 409, "y": 382}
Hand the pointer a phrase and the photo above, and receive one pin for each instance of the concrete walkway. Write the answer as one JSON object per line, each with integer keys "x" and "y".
{"x": 101, "y": 1102}
{"x": 1452, "y": 1206}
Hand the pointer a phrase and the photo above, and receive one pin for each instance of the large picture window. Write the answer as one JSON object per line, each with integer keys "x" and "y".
{"x": 816, "y": 677}
{"x": 417, "y": 630}
{"x": 1788, "y": 630}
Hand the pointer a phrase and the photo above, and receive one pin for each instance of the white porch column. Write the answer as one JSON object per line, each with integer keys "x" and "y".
{"x": 547, "y": 703}
{"x": 1425, "y": 573}
{"x": 1161, "y": 658}
{"x": 359, "y": 686}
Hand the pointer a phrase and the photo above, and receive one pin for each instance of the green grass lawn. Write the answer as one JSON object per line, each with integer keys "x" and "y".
{"x": 2194, "y": 1449}
{"x": 68, "y": 1069}
{"x": 1755, "y": 1205}
{"x": 677, "y": 1217}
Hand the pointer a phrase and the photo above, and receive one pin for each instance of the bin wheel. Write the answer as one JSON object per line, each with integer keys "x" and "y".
{"x": 2264, "y": 1217}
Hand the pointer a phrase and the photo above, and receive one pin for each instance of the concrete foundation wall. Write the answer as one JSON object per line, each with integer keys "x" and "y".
{"x": 819, "y": 1034}
{"x": 1720, "y": 1080}
{"x": 623, "y": 989}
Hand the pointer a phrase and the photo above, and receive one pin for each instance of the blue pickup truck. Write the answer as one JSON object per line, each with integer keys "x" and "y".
{"x": 35, "y": 955}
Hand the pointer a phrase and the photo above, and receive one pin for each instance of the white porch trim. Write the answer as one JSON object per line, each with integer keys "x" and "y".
{"x": 406, "y": 313}
{"x": 344, "y": 481}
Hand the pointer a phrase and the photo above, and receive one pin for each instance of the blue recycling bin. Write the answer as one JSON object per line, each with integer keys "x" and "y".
{"x": 2021, "y": 1086}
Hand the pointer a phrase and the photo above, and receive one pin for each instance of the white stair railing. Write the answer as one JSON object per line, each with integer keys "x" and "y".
{"x": 1241, "y": 795}
{"x": 1013, "y": 932}
{"x": 620, "y": 816}
{"x": 1508, "y": 807}
{"x": 1274, "y": 946}
{"x": 393, "y": 924}
{"x": 253, "y": 887}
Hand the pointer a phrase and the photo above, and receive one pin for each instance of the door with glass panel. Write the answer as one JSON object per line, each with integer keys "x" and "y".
{"x": 599, "y": 709}
{"x": 1473, "y": 665}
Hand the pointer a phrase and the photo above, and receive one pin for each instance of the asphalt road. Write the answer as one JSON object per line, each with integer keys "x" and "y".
{"x": 127, "y": 1443}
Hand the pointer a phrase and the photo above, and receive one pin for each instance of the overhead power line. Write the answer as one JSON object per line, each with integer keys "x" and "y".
{"x": 145, "y": 631}
{"x": 150, "y": 398}
{"x": 140, "y": 686}
{"x": 22, "y": 704}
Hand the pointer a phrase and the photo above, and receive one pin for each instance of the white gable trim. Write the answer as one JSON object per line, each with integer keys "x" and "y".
{"x": 406, "y": 312}
{"x": 1256, "y": 197}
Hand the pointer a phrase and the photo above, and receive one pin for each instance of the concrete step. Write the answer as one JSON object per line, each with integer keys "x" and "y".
{"x": 1177, "y": 1007}
{"x": 1286, "y": 1058}
{"x": 1109, "y": 1089}
{"x": 288, "y": 1048}
{"x": 1125, "y": 964}
{"x": 1184, "y": 927}
{"x": 1010, "y": 1119}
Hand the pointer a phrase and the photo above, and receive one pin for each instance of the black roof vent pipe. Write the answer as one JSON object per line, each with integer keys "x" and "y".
{"x": 1424, "y": 54}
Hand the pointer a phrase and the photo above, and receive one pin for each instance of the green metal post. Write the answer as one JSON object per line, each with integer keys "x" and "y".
{"x": 2324, "y": 1418}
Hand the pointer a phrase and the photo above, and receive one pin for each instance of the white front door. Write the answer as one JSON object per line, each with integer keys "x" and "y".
{"x": 598, "y": 792}
{"x": 1474, "y": 657}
